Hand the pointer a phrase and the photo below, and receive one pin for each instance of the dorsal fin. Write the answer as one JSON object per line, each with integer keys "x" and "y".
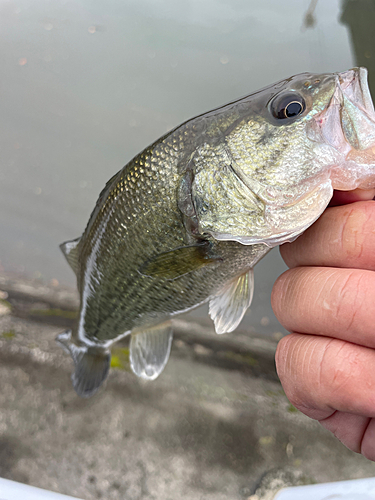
{"x": 69, "y": 249}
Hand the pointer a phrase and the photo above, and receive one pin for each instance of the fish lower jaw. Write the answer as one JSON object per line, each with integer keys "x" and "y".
{"x": 363, "y": 157}
{"x": 271, "y": 242}
{"x": 357, "y": 171}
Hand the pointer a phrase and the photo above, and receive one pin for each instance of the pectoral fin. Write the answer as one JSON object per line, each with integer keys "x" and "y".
{"x": 150, "y": 349}
{"x": 175, "y": 263}
{"x": 69, "y": 249}
{"x": 91, "y": 365}
{"x": 229, "y": 305}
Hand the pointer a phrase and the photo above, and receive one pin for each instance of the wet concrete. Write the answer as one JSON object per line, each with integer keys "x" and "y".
{"x": 213, "y": 426}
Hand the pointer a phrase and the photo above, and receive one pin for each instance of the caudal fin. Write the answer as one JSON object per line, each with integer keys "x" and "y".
{"x": 91, "y": 365}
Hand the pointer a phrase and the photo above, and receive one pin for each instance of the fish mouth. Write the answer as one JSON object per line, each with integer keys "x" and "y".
{"x": 348, "y": 125}
{"x": 354, "y": 86}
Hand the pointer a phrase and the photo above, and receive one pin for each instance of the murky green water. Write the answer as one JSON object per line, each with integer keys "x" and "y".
{"x": 86, "y": 84}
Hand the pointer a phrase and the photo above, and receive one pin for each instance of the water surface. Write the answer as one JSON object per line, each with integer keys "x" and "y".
{"x": 86, "y": 84}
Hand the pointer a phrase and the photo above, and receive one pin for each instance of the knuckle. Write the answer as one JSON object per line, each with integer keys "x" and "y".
{"x": 336, "y": 375}
{"x": 341, "y": 369}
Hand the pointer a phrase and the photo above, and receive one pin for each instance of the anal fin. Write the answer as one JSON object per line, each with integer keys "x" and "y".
{"x": 150, "y": 349}
{"x": 228, "y": 306}
{"x": 91, "y": 365}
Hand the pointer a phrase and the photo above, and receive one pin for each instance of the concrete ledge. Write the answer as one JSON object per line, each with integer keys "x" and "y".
{"x": 214, "y": 425}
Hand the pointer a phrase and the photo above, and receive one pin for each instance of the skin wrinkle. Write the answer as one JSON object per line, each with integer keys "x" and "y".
{"x": 346, "y": 365}
{"x": 324, "y": 420}
{"x": 290, "y": 355}
{"x": 353, "y": 232}
{"x": 294, "y": 355}
{"x": 352, "y": 229}
{"x": 295, "y": 347}
{"x": 357, "y": 233}
{"x": 284, "y": 358}
{"x": 367, "y": 445}
{"x": 353, "y": 435}
{"x": 323, "y": 362}
{"x": 333, "y": 241}
{"x": 356, "y": 308}
{"x": 309, "y": 303}
{"x": 346, "y": 289}
{"x": 358, "y": 323}
{"x": 311, "y": 351}
{"x": 311, "y": 379}
{"x": 350, "y": 305}
{"x": 314, "y": 367}
{"x": 362, "y": 441}
{"x": 343, "y": 374}
{"x": 302, "y": 287}
{"x": 329, "y": 248}
{"x": 344, "y": 228}
{"x": 326, "y": 290}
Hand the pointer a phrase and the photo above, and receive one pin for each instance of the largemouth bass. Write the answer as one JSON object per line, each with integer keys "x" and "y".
{"x": 186, "y": 220}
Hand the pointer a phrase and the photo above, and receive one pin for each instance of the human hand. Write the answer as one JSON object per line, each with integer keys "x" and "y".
{"x": 326, "y": 299}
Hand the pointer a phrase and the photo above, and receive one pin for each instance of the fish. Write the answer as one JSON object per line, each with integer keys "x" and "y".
{"x": 187, "y": 219}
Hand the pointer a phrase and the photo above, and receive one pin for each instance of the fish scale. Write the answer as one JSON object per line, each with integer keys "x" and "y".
{"x": 126, "y": 253}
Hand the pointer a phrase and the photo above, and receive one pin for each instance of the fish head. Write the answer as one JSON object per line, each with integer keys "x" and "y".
{"x": 282, "y": 151}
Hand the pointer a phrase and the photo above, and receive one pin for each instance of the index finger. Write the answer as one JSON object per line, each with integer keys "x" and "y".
{"x": 344, "y": 236}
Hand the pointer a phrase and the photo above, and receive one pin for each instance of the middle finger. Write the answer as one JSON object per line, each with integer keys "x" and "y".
{"x": 330, "y": 302}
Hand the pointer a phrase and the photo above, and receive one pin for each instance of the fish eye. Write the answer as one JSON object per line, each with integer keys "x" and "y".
{"x": 288, "y": 105}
